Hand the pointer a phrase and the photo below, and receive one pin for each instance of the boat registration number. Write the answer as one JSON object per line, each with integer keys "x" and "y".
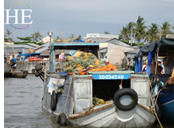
{"x": 110, "y": 76}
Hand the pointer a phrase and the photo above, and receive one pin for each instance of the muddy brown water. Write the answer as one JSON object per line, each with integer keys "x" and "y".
{"x": 22, "y": 105}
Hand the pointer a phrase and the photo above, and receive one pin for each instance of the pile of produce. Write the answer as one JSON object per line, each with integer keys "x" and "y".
{"x": 82, "y": 61}
{"x": 34, "y": 59}
{"x": 97, "y": 101}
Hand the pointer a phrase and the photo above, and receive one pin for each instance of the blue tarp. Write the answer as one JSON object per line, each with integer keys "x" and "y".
{"x": 136, "y": 64}
{"x": 63, "y": 74}
{"x": 80, "y": 40}
{"x": 87, "y": 69}
{"x": 139, "y": 65}
{"x": 150, "y": 56}
{"x": 72, "y": 52}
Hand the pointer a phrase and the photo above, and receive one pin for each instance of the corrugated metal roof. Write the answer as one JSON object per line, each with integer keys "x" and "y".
{"x": 44, "y": 47}
{"x": 57, "y": 52}
{"x": 76, "y": 44}
{"x": 33, "y": 45}
{"x": 98, "y": 40}
{"x": 105, "y": 49}
{"x": 132, "y": 51}
{"x": 118, "y": 42}
{"x": 19, "y": 46}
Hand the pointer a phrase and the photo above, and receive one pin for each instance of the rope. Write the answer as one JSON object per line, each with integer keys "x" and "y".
{"x": 67, "y": 95}
{"x": 153, "y": 107}
{"x": 160, "y": 92}
{"x": 154, "y": 112}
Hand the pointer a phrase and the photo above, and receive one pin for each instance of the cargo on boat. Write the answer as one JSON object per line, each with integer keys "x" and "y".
{"x": 29, "y": 61}
{"x": 95, "y": 97}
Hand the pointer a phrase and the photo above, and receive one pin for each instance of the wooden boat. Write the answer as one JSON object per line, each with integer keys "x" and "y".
{"x": 16, "y": 74}
{"x": 132, "y": 103}
{"x": 166, "y": 104}
{"x": 163, "y": 90}
{"x": 9, "y": 72}
{"x": 28, "y": 62}
{"x": 109, "y": 116}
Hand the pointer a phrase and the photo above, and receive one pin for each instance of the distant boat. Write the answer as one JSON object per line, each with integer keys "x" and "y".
{"x": 16, "y": 74}
{"x": 12, "y": 73}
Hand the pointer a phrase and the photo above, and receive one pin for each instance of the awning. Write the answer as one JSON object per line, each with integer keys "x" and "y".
{"x": 163, "y": 45}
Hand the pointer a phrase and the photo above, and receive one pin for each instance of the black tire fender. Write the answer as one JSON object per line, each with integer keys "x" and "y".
{"x": 25, "y": 72}
{"x": 62, "y": 119}
{"x": 53, "y": 101}
{"x": 125, "y": 91}
{"x": 33, "y": 71}
{"x": 22, "y": 58}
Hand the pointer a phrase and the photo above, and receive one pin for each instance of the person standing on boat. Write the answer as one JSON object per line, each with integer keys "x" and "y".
{"x": 169, "y": 62}
{"x": 145, "y": 66}
{"x": 160, "y": 67}
{"x": 61, "y": 56}
{"x": 160, "y": 64}
{"x": 13, "y": 64}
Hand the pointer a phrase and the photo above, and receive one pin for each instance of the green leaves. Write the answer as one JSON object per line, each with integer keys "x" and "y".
{"x": 28, "y": 38}
{"x": 142, "y": 32}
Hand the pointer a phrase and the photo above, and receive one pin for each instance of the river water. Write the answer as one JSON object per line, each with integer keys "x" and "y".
{"x": 22, "y": 104}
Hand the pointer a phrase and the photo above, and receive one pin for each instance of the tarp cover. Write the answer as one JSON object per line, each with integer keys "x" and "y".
{"x": 164, "y": 45}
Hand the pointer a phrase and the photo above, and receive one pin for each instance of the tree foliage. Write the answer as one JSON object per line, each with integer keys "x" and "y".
{"x": 141, "y": 32}
{"x": 140, "y": 29}
{"x": 106, "y": 32}
{"x": 152, "y": 33}
{"x": 36, "y": 36}
{"x": 8, "y": 33}
{"x": 124, "y": 33}
{"x": 28, "y": 38}
{"x": 165, "y": 28}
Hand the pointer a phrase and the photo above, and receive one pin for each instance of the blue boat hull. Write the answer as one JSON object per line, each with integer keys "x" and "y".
{"x": 166, "y": 104}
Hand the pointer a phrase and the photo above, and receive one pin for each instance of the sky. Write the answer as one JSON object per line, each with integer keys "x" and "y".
{"x": 80, "y": 17}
